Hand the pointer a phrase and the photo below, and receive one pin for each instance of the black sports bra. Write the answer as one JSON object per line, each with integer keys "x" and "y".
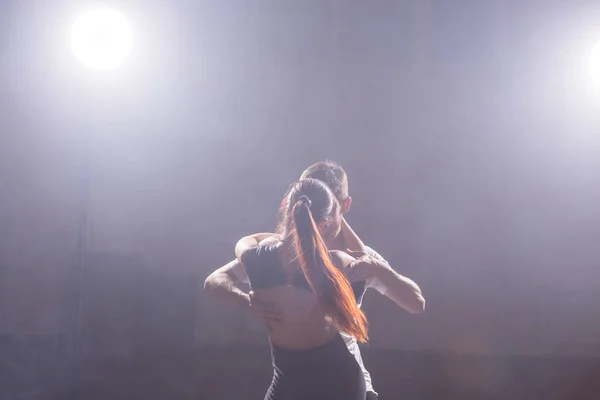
{"x": 264, "y": 270}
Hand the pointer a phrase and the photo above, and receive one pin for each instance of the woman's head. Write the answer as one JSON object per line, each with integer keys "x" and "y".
{"x": 315, "y": 195}
{"x": 311, "y": 210}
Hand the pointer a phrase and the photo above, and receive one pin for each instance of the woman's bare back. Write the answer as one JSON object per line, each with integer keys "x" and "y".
{"x": 304, "y": 323}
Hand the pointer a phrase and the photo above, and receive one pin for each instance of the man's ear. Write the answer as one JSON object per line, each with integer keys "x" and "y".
{"x": 347, "y": 204}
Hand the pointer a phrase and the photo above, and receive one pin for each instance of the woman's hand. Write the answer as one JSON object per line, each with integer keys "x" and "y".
{"x": 400, "y": 289}
{"x": 363, "y": 267}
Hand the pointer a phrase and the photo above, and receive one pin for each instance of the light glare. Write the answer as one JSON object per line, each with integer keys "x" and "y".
{"x": 101, "y": 39}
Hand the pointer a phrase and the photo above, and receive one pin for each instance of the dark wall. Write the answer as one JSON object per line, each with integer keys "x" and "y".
{"x": 468, "y": 133}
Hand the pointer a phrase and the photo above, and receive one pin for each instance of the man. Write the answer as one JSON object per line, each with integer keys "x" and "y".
{"x": 370, "y": 271}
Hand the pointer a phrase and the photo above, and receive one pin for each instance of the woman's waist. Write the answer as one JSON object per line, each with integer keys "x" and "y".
{"x": 327, "y": 351}
{"x": 332, "y": 356}
{"x": 302, "y": 335}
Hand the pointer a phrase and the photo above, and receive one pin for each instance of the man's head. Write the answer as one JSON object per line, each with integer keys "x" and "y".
{"x": 335, "y": 177}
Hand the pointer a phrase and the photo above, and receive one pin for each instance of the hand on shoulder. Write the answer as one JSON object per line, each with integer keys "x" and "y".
{"x": 269, "y": 241}
{"x": 341, "y": 259}
{"x": 363, "y": 267}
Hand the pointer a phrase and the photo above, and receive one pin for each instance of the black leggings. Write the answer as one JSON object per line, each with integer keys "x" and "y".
{"x": 327, "y": 372}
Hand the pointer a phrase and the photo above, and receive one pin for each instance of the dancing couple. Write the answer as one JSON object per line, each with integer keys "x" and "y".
{"x": 307, "y": 282}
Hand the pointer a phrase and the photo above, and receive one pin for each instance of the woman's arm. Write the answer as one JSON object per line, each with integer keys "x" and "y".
{"x": 401, "y": 290}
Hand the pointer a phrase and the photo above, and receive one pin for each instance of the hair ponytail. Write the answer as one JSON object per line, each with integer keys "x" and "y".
{"x": 326, "y": 281}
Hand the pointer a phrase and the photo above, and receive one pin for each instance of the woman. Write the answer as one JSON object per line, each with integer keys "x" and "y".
{"x": 295, "y": 270}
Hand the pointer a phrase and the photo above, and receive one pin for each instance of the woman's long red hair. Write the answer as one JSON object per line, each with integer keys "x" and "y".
{"x": 328, "y": 282}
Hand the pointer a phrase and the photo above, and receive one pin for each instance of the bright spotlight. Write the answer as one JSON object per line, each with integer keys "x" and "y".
{"x": 101, "y": 39}
{"x": 594, "y": 63}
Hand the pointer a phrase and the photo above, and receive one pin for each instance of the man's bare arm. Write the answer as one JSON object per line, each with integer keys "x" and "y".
{"x": 351, "y": 240}
{"x": 224, "y": 286}
{"x": 251, "y": 241}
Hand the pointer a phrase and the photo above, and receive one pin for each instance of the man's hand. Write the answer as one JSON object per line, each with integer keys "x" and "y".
{"x": 265, "y": 312}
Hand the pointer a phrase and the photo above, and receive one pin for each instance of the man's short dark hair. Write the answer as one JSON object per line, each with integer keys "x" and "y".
{"x": 332, "y": 174}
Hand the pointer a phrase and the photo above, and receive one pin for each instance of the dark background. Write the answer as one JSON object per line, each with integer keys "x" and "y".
{"x": 470, "y": 134}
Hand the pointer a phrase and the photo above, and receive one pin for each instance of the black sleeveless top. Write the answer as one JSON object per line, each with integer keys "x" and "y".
{"x": 264, "y": 270}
